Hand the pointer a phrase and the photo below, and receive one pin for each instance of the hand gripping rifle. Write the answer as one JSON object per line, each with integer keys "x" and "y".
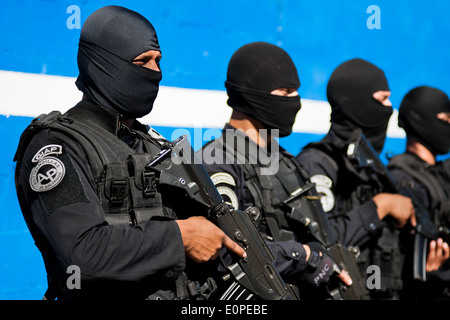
{"x": 362, "y": 151}
{"x": 176, "y": 168}
{"x": 310, "y": 214}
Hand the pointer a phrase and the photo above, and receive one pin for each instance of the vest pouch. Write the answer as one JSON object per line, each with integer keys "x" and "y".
{"x": 115, "y": 199}
{"x": 266, "y": 192}
{"x": 115, "y": 189}
{"x": 143, "y": 189}
{"x": 136, "y": 167}
{"x": 142, "y": 215}
{"x": 119, "y": 219}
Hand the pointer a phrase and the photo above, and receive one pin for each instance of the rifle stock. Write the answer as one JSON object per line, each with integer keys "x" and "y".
{"x": 176, "y": 167}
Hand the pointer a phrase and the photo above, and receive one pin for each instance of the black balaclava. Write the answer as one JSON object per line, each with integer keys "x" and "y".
{"x": 418, "y": 116}
{"x": 350, "y": 93}
{"x": 255, "y": 70}
{"x": 110, "y": 39}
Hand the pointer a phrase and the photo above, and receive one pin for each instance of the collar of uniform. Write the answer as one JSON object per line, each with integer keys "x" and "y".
{"x": 99, "y": 115}
{"x": 336, "y": 140}
{"x": 338, "y": 148}
{"x": 242, "y": 144}
{"x": 418, "y": 159}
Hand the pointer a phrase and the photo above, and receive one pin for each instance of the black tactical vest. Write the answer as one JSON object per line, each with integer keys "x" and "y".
{"x": 434, "y": 178}
{"x": 126, "y": 190}
{"x": 360, "y": 186}
{"x": 269, "y": 191}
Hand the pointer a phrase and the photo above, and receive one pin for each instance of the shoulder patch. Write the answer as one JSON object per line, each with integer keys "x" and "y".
{"x": 223, "y": 177}
{"x": 323, "y": 187}
{"x": 229, "y": 196}
{"x": 51, "y": 149}
{"x": 47, "y": 174}
{"x": 321, "y": 180}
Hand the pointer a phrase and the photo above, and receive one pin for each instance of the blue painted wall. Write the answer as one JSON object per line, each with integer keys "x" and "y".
{"x": 197, "y": 39}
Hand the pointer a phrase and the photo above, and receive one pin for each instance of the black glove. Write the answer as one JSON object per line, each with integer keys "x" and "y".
{"x": 320, "y": 266}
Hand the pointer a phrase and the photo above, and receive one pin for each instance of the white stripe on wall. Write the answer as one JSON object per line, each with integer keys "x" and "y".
{"x": 26, "y": 94}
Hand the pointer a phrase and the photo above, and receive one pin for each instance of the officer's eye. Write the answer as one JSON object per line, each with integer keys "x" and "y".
{"x": 140, "y": 62}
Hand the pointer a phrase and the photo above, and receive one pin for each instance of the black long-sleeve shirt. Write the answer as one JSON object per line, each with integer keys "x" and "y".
{"x": 69, "y": 224}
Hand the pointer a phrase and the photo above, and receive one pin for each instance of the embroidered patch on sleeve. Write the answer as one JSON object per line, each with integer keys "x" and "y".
{"x": 48, "y": 150}
{"x": 47, "y": 174}
{"x": 55, "y": 178}
{"x": 222, "y": 181}
{"x": 229, "y": 196}
{"x": 323, "y": 187}
{"x": 223, "y": 177}
{"x": 49, "y": 170}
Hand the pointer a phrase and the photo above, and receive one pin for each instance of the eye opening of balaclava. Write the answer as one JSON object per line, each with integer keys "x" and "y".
{"x": 350, "y": 92}
{"x": 254, "y": 71}
{"x": 418, "y": 117}
{"x": 110, "y": 39}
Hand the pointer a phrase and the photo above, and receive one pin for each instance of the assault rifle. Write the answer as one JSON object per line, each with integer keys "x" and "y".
{"x": 362, "y": 151}
{"x": 315, "y": 220}
{"x": 176, "y": 168}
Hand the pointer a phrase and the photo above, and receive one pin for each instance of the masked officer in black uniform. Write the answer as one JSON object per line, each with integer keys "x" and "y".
{"x": 358, "y": 93}
{"x": 82, "y": 186}
{"x": 424, "y": 114}
{"x": 248, "y": 166}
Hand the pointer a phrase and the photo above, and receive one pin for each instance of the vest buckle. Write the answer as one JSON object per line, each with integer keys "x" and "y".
{"x": 118, "y": 192}
{"x": 149, "y": 184}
